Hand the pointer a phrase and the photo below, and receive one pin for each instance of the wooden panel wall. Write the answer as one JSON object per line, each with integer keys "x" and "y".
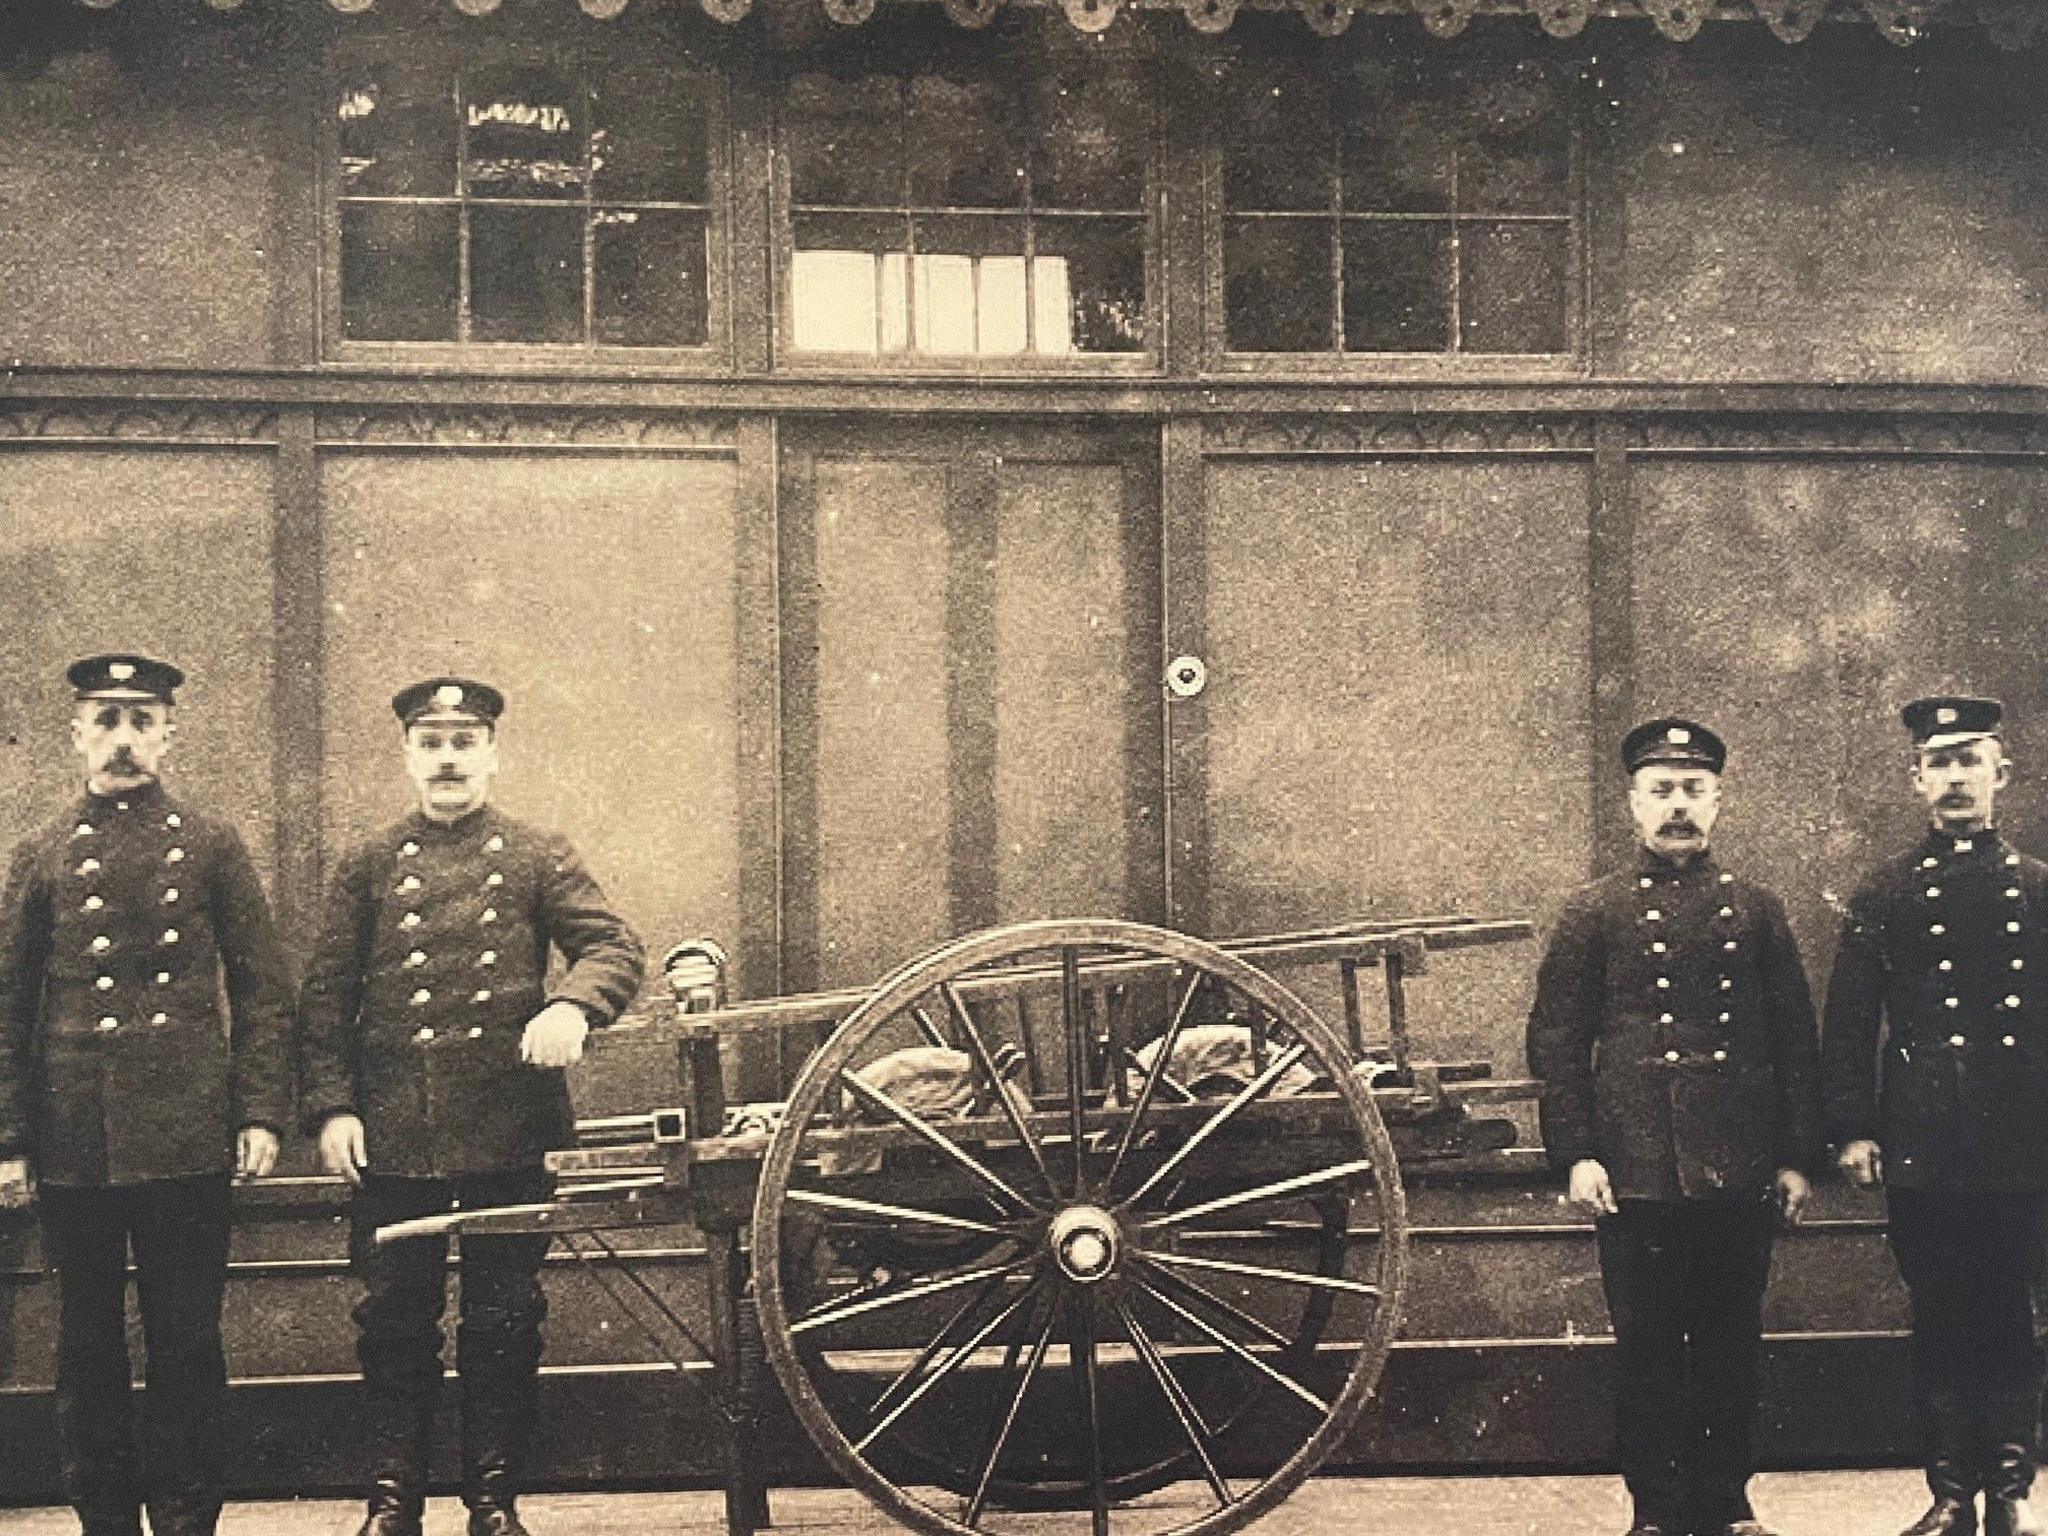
{"x": 599, "y": 592}
{"x": 165, "y": 549}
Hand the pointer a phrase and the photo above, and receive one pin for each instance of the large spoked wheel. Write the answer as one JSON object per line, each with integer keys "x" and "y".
{"x": 1159, "y": 1304}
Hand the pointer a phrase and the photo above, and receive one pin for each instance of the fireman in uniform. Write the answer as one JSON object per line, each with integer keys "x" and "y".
{"x": 432, "y": 1043}
{"x": 1944, "y": 948}
{"x": 1674, "y": 1035}
{"x": 129, "y": 1101}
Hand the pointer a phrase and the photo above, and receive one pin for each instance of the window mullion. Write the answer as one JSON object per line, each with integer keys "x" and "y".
{"x": 589, "y": 212}
{"x": 462, "y": 326}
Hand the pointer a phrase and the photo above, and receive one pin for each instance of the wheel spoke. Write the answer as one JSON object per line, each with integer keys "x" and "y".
{"x": 1221, "y": 1118}
{"x": 862, "y": 1306}
{"x": 978, "y": 1047}
{"x": 945, "y": 1145}
{"x": 1236, "y": 1349}
{"x": 995, "y": 1454}
{"x": 946, "y": 1368}
{"x": 884, "y": 1212}
{"x": 1077, "y": 1063}
{"x": 1154, "y": 1076}
{"x": 930, "y": 1352}
{"x": 1293, "y": 1186}
{"x": 1279, "y": 1276}
{"x": 927, "y": 1027}
{"x": 1189, "y": 1290}
{"x": 1191, "y": 1425}
{"x": 1081, "y": 1340}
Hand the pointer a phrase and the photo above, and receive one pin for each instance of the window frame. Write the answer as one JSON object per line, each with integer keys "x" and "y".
{"x": 714, "y": 355}
{"x": 994, "y": 63}
{"x": 1218, "y": 357}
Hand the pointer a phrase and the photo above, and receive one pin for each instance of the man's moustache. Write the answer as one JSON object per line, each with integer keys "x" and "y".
{"x": 1678, "y": 826}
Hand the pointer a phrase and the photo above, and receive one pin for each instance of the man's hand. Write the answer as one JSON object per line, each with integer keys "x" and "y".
{"x": 554, "y": 1036}
{"x": 341, "y": 1147}
{"x": 1863, "y": 1162}
{"x": 1589, "y": 1189}
{"x": 17, "y": 1187}
{"x": 255, "y": 1152}
{"x": 1793, "y": 1192}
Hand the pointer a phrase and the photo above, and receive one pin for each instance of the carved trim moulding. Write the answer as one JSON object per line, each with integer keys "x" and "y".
{"x": 507, "y": 429}
{"x": 174, "y": 423}
{"x": 1412, "y": 433}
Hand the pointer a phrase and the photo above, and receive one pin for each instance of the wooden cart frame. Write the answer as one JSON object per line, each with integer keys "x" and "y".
{"x": 1080, "y": 1288}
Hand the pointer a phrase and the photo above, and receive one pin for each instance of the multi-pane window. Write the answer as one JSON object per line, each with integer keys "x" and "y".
{"x": 1376, "y": 204}
{"x": 995, "y": 215}
{"x": 518, "y": 202}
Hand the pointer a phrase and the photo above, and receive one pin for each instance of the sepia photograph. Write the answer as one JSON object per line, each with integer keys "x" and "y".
{"x": 1023, "y": 767}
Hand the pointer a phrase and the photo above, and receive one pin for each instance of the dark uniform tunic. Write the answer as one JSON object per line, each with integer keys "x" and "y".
{"x": 1936, "y": 1048}
{"x": 122, "y": 922}
{"x": 1673, "y": 1032}
{"x": 433, "y": 956}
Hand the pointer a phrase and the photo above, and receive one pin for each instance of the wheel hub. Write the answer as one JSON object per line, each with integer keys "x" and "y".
{"x": 1084, "y": 1243}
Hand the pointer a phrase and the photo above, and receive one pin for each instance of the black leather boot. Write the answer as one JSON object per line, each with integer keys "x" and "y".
{"x": 2010, "y": 1476}
{"x": 498, "y": 1404}
{"x": 1951, "y": 1470}
{"x": 2010, "y": 1426}
{"x": 401, "y": 1425}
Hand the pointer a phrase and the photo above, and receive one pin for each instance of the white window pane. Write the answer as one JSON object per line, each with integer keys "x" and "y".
{"x": 1002, "y": 306}
{"x": 895, "y": 302}
{"x": 1053, "y": 302}
{"x": 832, "y": 300}
{"x": 945, "y": 304}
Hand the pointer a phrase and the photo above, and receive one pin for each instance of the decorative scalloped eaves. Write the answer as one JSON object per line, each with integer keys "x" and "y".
{"x": 2009, "y": 23}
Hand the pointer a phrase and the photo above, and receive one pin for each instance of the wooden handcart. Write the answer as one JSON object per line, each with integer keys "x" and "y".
{"x": 1142, "y": 1267}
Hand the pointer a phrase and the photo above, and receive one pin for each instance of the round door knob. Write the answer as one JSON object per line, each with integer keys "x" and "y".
{"x": 1186, "y": 676}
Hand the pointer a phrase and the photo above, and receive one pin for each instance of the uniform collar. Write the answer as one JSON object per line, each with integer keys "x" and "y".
{"x": 1650, "y": 862}
{"x": 483, "y": 819}
{"x": 1939, "y": 844}
{"x": 143, "y": 797}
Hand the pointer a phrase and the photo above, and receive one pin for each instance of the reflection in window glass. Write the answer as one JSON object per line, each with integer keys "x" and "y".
{"x": 1277, "y": 289}
{"x": 526, "y": 274}
{"x": 523, "y": 203}
{"x": 996, "y": 217}
{"x": 1397, "y": 286}
{"x": 401, "y": 259}
{"x": 648, "y": 282}
{"x": 524, "y": 134}
{"x": 1433, "y": 215}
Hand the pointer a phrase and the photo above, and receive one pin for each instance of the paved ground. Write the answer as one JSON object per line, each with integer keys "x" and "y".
{"x": 1796, "y": 1504}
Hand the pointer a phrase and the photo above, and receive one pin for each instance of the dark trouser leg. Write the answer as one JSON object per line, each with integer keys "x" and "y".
{"x": 1642, "y": 1268}
{"x": 1729, "y": 1246}
{"x": 1931, "y": 1236}
{"x": 180, "y": 1229}
{"x": 2007, "y": 1362}
{"x": 85, "y": 1235}
{"x": 497, "y": 1349}
{"x": 398, "y": 1341}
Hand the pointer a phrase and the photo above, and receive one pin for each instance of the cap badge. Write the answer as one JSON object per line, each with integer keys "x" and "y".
{"x": 1678, "y": 736}
{"x": 448, "y": 696}
{"x": 120, "y": 671}
{"x": 1944, "y": 716}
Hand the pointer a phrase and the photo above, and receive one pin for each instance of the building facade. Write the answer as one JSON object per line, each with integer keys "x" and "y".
{"x": 841, "y": 428}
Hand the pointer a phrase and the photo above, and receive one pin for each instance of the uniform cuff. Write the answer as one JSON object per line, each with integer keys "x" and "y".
{"x": 594, "y": 1010}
